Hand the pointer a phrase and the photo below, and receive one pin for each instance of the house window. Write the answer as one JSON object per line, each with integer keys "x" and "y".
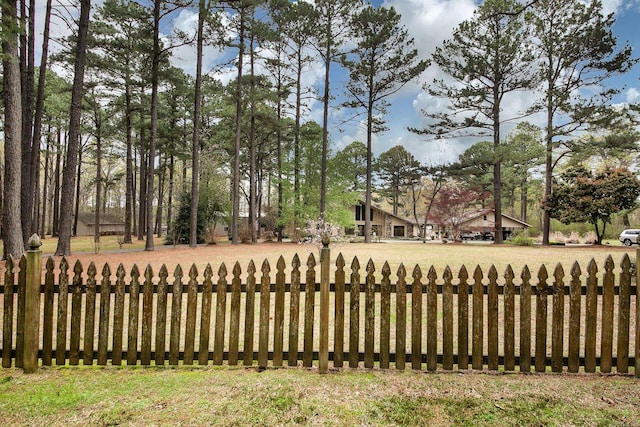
{"x": 398, "y": 231}
{"x": 360, "y": 213}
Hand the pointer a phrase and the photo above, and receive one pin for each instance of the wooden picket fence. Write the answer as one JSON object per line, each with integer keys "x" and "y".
{"x": 565, "y": 322}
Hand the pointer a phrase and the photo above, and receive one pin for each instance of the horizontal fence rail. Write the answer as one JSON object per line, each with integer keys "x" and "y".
{"x": 559, "y": 320}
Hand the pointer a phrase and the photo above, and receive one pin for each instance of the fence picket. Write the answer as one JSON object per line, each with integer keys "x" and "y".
{"x": 205, "y": 320}
{"x": 354, "y": 315}
{"x": 624, "y": 312}
{"x": 338, "y": 330}
{"x": 416, "y": 319}
{"x": 606, "y": 342}
{"x": 263, "y": 329}
{"x": 190, "y": 322}
{"x": 147, "y": 317}
{"x": 118, "y": 317}
{"x": 309, "y": 305}
{"x": 385, "y": 319}
{"x": 249, "y": 315}
{"x": 463, "y": 319}
{"x": 432, "y": 320}
{"x": 7, "y": 314}
{"x": 369, "y": 314}
{"x": 90, "y": 315}
{"x": 294, "y": 312}
{"x": 20, "y": 315}
{"x": 478, "y": 322}
{"x": 61, "y": 327}
{"x": 278, "y": 315}
{"x": 591, "y": 318}
{"x": 525, "y": 320}
{"x": 557, "y": 323}
{"x": 76, "y": 314}
{"x": 542, "y": 290}
{"x": 401, "y": 318}
{"x": 47, "y": 325}
{"x": 162, "y": 291}
{"x": 176, "y": 317}
{"x": 447, "y": 320}
{"x": 105, "y": 308}
{"x": 221, "y": 311}
{"x": 134, "y": 312}
{"x": 492, "y": 318}
{"x": 575, "y": 303}
{"x": 509, "y": 320}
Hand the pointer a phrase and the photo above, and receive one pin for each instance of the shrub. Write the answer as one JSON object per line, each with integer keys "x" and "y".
{"x": 520, "y": 240}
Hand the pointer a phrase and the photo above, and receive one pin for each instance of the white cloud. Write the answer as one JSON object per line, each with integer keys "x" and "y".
{"x": 633, "y": 96}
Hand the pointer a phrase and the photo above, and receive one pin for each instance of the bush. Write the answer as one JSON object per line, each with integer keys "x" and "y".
{"x": 520, "y": 240}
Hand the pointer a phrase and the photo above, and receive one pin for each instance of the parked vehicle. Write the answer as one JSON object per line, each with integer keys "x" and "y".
{"x": 488, "y": 235}
{"x": 630, "y": 236}
{"x": 472, "y": 235}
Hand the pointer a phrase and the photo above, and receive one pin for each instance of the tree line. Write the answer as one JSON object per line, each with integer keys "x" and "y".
{"x": 118, "y": 128}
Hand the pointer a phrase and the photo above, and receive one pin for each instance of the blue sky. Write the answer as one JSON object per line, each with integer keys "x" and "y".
{"x": 430, "y": 22}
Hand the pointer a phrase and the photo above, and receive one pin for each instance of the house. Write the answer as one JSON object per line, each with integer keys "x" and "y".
{"x": 109, "y": 224}
{"x": 482, "y": 220}
{"x": 384, "y": 224}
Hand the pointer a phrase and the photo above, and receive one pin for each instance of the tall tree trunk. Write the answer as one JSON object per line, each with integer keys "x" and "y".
{"x": 11, "y": 209}
{"x": 142, "y": 210}
{"x": 46, "y": 185}
{"x": 68, "y": 177}
{"x": 27, "y": 48}
{"x": 155, "y": 66}
{"x": 235, "y": 186}
{"x": 161, "y": 186}
{"x": 252, "y": 149}
{"x": 172, "y": 167}
{"x": 76, "y": 204}
{"x": 325, "y": 130}
{"x": 55, "y": 227}
{"x": 195, "y": 142}
{"x": 96, "y": 227}
{"x": 129, "y": 192}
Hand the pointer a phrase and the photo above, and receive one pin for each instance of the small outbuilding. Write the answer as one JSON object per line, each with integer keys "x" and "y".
{"x": 109, "y": 224}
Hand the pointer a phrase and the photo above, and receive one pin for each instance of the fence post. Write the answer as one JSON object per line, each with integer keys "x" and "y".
{"x": 325, "y": 259}
{"x": 32, "y": 305}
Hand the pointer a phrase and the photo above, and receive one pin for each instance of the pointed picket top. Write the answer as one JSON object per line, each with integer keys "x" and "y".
{"x": 251, "y": 268}
{"x": 281, "y": 265}
{"x": 592, "y": 268}
{"x": 148, "y": 273}
{"x": 463, "y": 274}
{"x": 386, "y": 271}
{"x": 542, "y": 273}
{"x": 222, "y": 271}
{"x": 402, "y": 272}
{"x": 448, "y": 275}
{"x": 50, "y": 264}
{"x": 266, "y": 268}
{"x": 106, "y": 272}
{"x": 371, "y": 268}
{"x": 120, "y": 272}
{"x": 177, "y": 273}
{"x": 311, "y": 261}
{"x": 432, "y": 275}
{"x": 64, "y": 264}
{"x": 417, "y": 273}
{"x": 92, "y": 271}
{"x": 609, "y": 264}
{"x": 77, "y": 267}
{"x": 493, "y": 273}
{"x": 193, "y": 272}
{"x": 295, "y": 263}
{"x": 237, "y": 270}
{"x": 164, "y": 273}
{"x": 526, "y": 274}
{"x": 625, "y": 264}
{"x": 558, "y": 273}
{"x": 340, "y": 262}
{"x": 135, "y": 272}
{"x": 355, "y": 264}
{"x": 508, "y": 273}
{"x": 575, "y": 270}
{"x": 9, "y": 263}
{"x": 208, "y": 271}
{"x": 477, "y": 273}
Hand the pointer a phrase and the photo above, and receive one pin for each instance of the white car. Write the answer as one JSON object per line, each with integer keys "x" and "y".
{"x": 630, "y": 236}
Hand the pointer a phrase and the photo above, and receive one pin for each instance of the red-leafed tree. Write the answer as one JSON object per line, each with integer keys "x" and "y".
{"x": 453, "y": 205}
